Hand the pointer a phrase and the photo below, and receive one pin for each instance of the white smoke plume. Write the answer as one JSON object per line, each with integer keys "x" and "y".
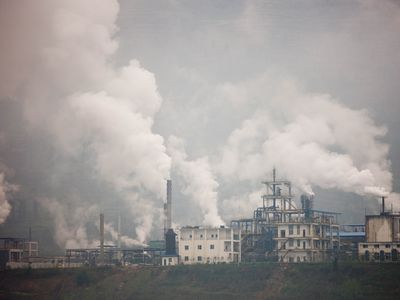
{"x": 91, "y": 110}
{"x": 5, "y": 189}
{"x": 125, "y": 240}
{"x": 313, "y": 140}
{"x": 70, "y": 223}
{"x": 200, "y": 184}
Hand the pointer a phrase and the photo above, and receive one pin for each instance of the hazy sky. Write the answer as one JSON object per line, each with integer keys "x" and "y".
{"x": 101, "y": 102}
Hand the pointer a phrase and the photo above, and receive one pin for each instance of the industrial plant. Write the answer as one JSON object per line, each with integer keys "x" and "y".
{"x": 278, "y": 231}
{"x": 382, "y": 238}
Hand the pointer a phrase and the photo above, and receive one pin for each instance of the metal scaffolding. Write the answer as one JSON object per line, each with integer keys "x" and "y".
{"x": 269, "y": 234}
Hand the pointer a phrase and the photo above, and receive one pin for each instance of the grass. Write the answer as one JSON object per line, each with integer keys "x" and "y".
{"x": 225, "y": 281}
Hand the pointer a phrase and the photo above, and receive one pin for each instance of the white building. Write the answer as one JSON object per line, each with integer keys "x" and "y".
{"x": 169, "y": 260}
{"x": 306, "y": 242}
{"x": 209, "y": 245}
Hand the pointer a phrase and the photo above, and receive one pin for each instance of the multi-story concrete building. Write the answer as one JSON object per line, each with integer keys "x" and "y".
{"x": 279, "y": 231}
{"x": 306, "y": 241}
{"x": 209, "y": 245}
{"x": 382, "y": 237}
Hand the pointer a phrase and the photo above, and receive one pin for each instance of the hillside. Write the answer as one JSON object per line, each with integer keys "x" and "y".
{"x": 246, "y": 281}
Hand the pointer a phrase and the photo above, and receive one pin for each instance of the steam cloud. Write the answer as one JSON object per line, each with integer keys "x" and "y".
{"x": 5, "y": 207}
{"x": 92, "y": 111}
{"x": 199, "y": 181}
{"x": 313, "y": 140}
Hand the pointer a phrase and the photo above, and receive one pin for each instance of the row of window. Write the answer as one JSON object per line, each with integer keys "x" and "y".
{"x": 201, "y": 236}
{"x": 283, "y": 232}
{"x": 378, "y": 245}
{"x": 298, "y": 259}
{"x": 291, "y": 244}
{"x": 200, "y": 258}
{"x": 199, "y": 247}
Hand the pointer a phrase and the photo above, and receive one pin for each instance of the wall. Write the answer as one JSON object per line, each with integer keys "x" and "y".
{"x": 209, "y": 245}
{"x": 379, "y": 228}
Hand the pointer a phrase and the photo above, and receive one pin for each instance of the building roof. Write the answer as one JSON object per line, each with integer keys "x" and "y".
{"x": 349, "y": 234}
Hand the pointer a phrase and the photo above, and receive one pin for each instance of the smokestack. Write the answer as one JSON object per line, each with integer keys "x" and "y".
{"x": 119, "y": 232}
{"x": 101, "y": 238}
{"x": 169, "y": 204}
{"x": 168, "y": 207}
{"x": 383, "y": 205}
{"x": 119, "y": 238}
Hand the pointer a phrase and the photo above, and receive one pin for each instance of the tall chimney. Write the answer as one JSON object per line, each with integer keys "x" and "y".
{"x": 169, "y": 204}
{"x": 119, "y": 232}
{"x": 101, "y": 238}
{"x": 119, "y": 238}
{"x": 168, "y": 207}
{"x": 383, "y": 205}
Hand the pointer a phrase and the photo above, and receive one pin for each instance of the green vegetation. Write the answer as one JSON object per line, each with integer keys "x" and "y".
{"x": 245, "y": 281}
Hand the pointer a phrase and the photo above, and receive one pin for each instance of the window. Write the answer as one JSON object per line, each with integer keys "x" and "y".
{"x": 304, "y": 232}
{"x": 304, "y": 258}
{"x": 298, "y": 243}
{"x": 211, "y": 246}
{"x": 201, "y": 236}
{"x": 199, "y": 247}
{"x": 387, "y": 245}
{"x": 186, "y": 258}
{"x": 199, "y": 258}
{"x": 216, "y": 235}
{"x": 186, "y": 247}
{"x": 290, "y": 243}
{"x": 170, "y": 259}
{"x": 190, "y": 236}
{"x": 365, "y": 246}
{"x": 298, "y": 258}
{"x": 212, "y": 236}
{"x": 376, "y": 246}
{"x": 304, "y": 245}
{"x": 236, "y": 237}
{"x": 290, "y": 229}
{"x": 283, "y": 233}
{"x": 291, "y": 259}
{"x": 298, "y": 229}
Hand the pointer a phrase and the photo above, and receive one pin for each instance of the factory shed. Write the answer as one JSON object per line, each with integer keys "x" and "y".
{"x": 382, "y": 242}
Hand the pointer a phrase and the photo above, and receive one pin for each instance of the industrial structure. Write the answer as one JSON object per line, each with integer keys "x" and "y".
{"x": 382, "y": 242}
{"x": 350, "y": 236}
{"x": 17, "y": 252}
{"x": 279, "y": 231}
{"x": 209, "y": 245}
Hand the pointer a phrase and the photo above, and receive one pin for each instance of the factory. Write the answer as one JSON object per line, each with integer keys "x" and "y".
{"x": 382, "y": 237}
{"x": 279, "y": 231}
